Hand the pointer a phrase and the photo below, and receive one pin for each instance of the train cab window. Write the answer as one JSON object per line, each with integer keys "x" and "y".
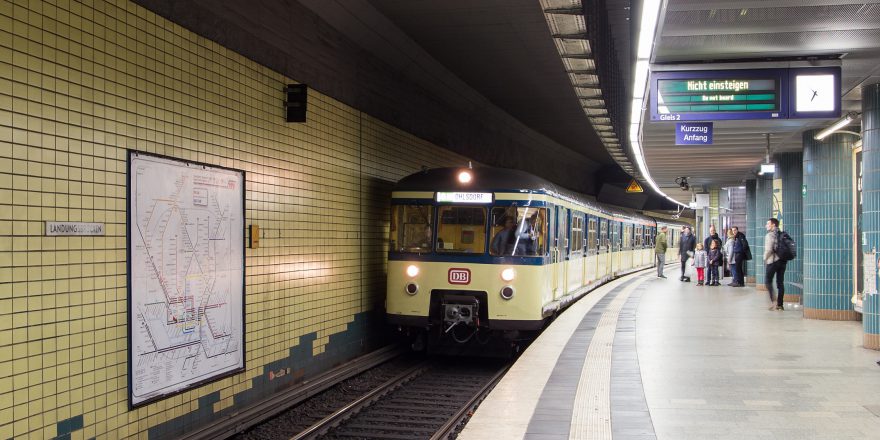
{"x": 411, "y": 228}
{"x": 518, "y": 231}
{"x": 461, "y": 229}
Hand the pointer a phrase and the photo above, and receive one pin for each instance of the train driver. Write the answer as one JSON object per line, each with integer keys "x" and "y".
{"x": 504, "y": 241}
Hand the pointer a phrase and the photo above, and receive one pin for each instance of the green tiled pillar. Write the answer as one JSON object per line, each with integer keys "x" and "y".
{"x": 871, "y": 202}
{"x": 828, "y": 226}
{"x": 750, "y": 230}
{"x": 790, "y": 170}
{"x": 763, "y": 211}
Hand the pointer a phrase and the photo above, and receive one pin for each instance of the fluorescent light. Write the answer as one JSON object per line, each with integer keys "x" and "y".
{"x": 641, "y": 79}
{"x": 650, "y": 17}
{"x": 837, "y": 125}
{"x": 647, "y": 27}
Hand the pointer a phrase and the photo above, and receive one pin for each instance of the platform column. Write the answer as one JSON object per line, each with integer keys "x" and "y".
{"x": 871, "y": 202}
{"x": 827, "y": 249}
{"x": 750, "y": 230}
{"x": 790, "y": 171}
{"x": 763, "y": 211}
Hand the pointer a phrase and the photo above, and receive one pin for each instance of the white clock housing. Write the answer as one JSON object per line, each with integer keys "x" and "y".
{"x": 814, "y": 93}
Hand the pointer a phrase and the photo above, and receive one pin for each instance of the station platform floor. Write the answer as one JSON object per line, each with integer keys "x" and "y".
{"x": 650, "y": 358}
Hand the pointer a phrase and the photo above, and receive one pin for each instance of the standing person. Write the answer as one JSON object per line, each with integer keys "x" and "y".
{"x": 686, "y": 245}
{"x": 660, "y": 251}
{"x": 714, "y": 260}
{"x": 713, "y": 236}
{"x": 774, "y": 265}
{"x": 700, "y": 260}
{"x": 727, "y": 252}
{"x": 740, "y": 251}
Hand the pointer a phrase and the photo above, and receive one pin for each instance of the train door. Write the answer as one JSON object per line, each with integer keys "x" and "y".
{"x": 616, "y": 248}
{"x": 591, "y": 250}
{"x": 562, "y": 250}
{"x": 553, "y": 244}
{"x": 576, "y": 259}
{"x": 602, "y": 248}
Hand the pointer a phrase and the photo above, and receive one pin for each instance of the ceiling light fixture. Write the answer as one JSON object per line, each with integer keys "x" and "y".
{"x": 647, "y": 28}
{"x": 837, "y": 125}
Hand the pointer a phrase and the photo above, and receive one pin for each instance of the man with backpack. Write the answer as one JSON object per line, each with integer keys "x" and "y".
{"x": 779, "y": 248}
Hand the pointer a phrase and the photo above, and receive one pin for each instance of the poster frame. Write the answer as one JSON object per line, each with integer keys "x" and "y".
{"x": 131, "y": 155}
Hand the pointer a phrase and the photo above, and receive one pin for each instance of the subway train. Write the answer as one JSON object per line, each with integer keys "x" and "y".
{"x": 488, "y": 254}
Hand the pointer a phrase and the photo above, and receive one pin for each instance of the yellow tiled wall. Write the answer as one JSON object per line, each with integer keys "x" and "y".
{"x": 82, "y": 82}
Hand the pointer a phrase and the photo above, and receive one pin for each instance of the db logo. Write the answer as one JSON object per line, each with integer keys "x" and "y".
{"x": 459, "y": 276}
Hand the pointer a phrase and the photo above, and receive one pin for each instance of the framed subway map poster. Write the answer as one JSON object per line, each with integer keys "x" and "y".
{"x": 185, "y": 275}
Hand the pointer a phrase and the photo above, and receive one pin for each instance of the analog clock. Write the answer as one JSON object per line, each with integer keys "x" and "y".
{"x": 814, "y": 93}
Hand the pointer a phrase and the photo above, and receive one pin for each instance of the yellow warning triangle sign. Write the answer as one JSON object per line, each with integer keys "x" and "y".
{"x": 634, "y": 187}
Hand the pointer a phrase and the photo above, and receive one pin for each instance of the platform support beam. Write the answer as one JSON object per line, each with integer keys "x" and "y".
{"x": 790, "y": 172}
{"x": 871, "y": 202}
{"x": 750, "y": 230}
{"x": 827, "y": 249}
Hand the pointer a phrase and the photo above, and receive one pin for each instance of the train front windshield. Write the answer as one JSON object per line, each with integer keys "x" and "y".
{"x": 462, "y": 229}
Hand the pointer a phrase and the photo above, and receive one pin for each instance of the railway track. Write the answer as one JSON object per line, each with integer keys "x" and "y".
{"x": 426, "y": 401}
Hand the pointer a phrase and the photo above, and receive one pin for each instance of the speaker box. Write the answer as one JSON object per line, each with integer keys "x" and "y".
{"x": 295, "y": 103}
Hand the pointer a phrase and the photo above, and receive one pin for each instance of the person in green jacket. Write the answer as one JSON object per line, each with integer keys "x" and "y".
{"x": 660, "y": 251}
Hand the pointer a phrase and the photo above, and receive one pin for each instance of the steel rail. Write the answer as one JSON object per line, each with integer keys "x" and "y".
{"x": 240, "y": 421}
{"x": 340, "y": 415}
{"x": 450, "y": 424}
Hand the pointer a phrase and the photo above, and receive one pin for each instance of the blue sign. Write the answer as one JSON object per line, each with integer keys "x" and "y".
{"x": 693, "y": 133}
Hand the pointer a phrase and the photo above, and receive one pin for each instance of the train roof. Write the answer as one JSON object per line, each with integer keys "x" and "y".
{"x": 491, "y": 179}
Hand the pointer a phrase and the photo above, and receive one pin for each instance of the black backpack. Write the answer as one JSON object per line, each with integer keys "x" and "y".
{"x": 785, "y": 248}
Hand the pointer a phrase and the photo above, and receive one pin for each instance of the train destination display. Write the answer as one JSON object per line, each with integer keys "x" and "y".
{"x": 717, "y": 98}
{"x": 774, "y": 93}
{"x": 186, "y": 269}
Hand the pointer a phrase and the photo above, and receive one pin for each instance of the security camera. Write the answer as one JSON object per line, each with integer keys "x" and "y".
{"x": 683, "y": 183}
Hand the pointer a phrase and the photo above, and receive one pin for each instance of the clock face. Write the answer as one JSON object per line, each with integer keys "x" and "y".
{"x": 814, "y": 93}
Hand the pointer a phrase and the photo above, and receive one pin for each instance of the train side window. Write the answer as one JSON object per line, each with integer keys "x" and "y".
{"x": 461, "y": 229}
{"x": 411, "y": 228}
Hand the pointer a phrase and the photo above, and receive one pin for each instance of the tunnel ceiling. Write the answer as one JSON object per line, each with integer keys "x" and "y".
{"x": 504, "y": 50}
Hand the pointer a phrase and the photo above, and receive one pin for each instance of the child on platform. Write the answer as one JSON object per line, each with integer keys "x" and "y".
{"x": 700, "y": 261}
{"x": 714, "y": 257}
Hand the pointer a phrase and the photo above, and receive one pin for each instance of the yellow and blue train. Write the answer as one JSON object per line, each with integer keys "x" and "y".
{"x": 485, "y": 252}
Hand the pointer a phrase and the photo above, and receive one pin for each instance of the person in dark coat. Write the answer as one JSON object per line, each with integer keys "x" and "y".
{"x": 713, "y": 236}
{"x": 740, "y": 250}
{"x": 686, "y": 245}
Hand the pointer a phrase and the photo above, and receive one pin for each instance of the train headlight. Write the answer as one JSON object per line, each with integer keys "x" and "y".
{"x": 412, "y": 270}
{"x": 412, "y": 288}
{"x": 507, "y": 292}
{"x": 508, "y": 274}
{"x": 465, "y": 177}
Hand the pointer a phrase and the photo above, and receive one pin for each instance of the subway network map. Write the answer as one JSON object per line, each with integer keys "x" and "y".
{"x": 186, "y": 268}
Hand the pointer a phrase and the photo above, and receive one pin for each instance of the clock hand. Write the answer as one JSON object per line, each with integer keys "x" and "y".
{"x": 815, "y": 93}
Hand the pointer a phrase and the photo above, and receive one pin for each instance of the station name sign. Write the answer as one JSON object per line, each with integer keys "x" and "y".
{"x": 709, "y": 95}
{"x": 464, "y": 197}
{"x": 74, "y": 229}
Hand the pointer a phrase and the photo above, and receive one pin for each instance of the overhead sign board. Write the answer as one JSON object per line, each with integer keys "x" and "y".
{"x": 464, "y": 197}
{"x": 711, "y": 95}
{"x": 693, "y": 133}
